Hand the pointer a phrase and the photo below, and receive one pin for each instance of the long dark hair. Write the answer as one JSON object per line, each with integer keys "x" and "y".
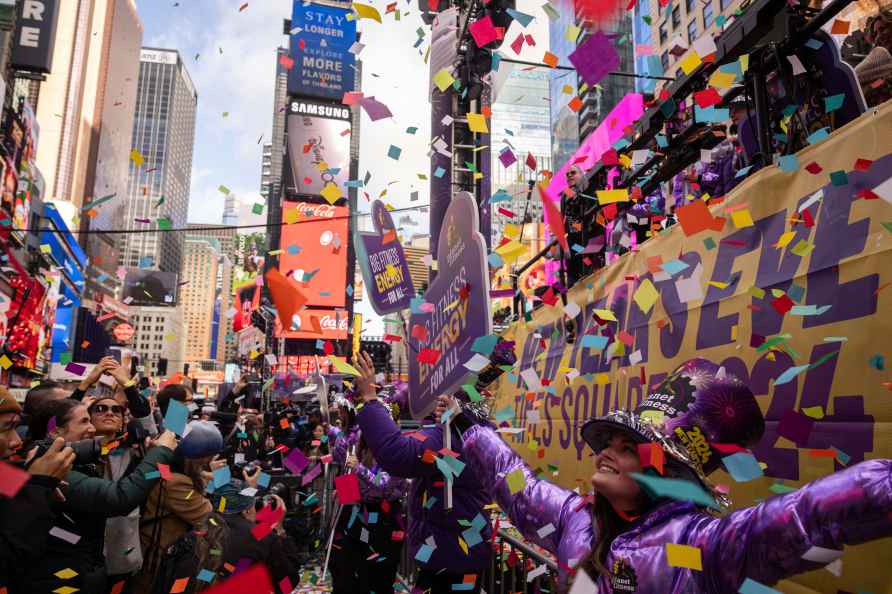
{"x": 607, "y": 524}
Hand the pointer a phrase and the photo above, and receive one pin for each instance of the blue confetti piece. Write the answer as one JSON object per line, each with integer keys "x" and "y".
{"x": 153, "y": 475}
{"x": 521, "y": 17}
{"x": 591, "y": 341}
{"x": 205, "y": 575}
{"x": 711, "y": 114}
{"x": 751, "y": 586}
{"x": 394, "y": 152}
{"x": 373, "y": 517}
{"x": 673, "y": 267}
{"x": 485, "y": 344}
{"x": 814, "y": 44}
{"x": 176, "y": 417}
{"x": 439, "y": 171}
{"x": 424, "y": 553}
{"x": 742, "y": 467}
{"x": 743, "y": 172}
{"x": 841, "y": 456}
{"x": 350, "y": 290}
{"x": 818, "y": 136}
{"x": 496, "y": 60}
{"x": 263, "y": 480}
{"x": 293, "y": 249}
{"x": 788, "y": 375}
{"x": 833, "y": 102}
{"x": 222, "y": 477}
{"x": 495, "y": 260}
{"x": 788, "y": 163}
{"x": 662, "y": 142}
{"x": 320, "y": 344}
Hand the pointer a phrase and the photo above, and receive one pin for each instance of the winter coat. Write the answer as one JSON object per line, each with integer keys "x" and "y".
{"x": 181, "y": 509}
{"x": 89, "y": 501}
{"x": 25, "y": 522}
{"x": 278, "y": 553}
{"x": 375, "y": 483}
{"x": 401, "y": 456}
{"x": 765, "y": 542}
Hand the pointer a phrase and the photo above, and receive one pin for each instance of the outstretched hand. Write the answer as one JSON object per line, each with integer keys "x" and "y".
{"x": 365, "y": 383}
{"x": 444, "y": 403}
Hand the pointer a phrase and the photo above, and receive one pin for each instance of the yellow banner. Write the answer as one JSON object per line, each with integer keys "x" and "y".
{"x": 792, "y": 287}
{"x": 357, "y": 335}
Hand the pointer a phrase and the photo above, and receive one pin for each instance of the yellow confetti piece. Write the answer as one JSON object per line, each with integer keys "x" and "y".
{"x": 443, "y": 79}
{"x": 718, "y": 284}
{"x": 785, "y": 239}
{"x": 222, "y": 507}
{"x": 757, "y": 292}
{"x": 364, "y": 11}
{"x": 5, "y": 362}
{"x": 137, "y": 157}
{"x": 65, "y": 590}
{"x": 274, "y": 253}
{"x": 646, "y": 295}
{"x": 463, "y": 545}
{"x": 291, "y": 216}
{"x": 331, "y": 192}
{"x": 742, "y": 218}
{"x": 343, "y": 367}
{"x": 722, "y": 80}
{"x": 803, "y": 248}
{"x": 605, "y": 314}
{"x": 602, "y": 379}
{"x": 734, "y": 332}
{"x": 65, "y": 574}
{"x": 815, "y": 412}
{"x": 683, "y": 556}
{"x": 690, "y": 62}
{"x": 477, "y": 123}
{"x": 611, "y": 196}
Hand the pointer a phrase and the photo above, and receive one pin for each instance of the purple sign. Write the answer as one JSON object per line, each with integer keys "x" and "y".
{"x": 455, "y": 311}
{"x": 383, "y": 264}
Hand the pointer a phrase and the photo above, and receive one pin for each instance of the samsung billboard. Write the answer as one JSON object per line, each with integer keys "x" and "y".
{"x": 320, "y": 47}
{"x": 318, "y": 153}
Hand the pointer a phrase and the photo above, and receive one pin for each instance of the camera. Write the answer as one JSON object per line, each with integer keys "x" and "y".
{"x": 86, "y": 451}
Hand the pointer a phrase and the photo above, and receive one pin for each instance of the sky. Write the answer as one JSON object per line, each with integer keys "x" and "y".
{"x": 231, "y": 58}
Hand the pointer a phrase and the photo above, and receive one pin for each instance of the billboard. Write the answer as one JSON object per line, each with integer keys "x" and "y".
{"x": 789, "y": 297}
{"x": 314, "y": 251}
{"x": 320, "y": 47}
{"x": 150, "y": 287}
{"x": 316, "y": 324}
{"x": 35, "y": 35}
{"x": 318, "y": 153}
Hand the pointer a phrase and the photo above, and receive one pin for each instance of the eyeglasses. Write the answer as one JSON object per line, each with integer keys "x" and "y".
{"x": 104, "y": 408}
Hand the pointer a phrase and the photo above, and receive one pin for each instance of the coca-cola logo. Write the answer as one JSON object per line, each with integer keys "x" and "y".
{"x": 316, "y": 210}
{"x": 330, "y": 323}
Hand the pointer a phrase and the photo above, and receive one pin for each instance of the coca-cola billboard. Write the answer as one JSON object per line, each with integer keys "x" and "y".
{"x": 314, "y": 251}
{"x": 325, "y": 324}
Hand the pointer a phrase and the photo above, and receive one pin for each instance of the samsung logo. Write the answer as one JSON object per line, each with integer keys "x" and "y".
{"x": 320, "y": 110}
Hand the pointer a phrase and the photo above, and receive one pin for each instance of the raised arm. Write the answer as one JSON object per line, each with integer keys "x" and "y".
{"x": 398, "y": 454}
{"x": 767, "y": 542}
{"x": 536, "y": 504}
{"x": 381, "y": 485}
{"x": 115, "y": 498}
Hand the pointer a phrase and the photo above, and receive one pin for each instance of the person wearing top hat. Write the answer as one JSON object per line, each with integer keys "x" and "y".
{"x": 618, "y": 535}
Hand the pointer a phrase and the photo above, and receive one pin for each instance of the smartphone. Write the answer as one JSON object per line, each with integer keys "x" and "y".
{"x": 114, "y": 353}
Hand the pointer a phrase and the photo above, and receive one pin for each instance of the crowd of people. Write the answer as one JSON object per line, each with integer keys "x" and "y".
{"x": 109, "y": 500}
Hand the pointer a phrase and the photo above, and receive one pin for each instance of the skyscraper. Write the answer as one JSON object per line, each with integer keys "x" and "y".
{"x": 230, "y": 210}
{"x": 160, "y": 161}
{"x": 201, "y": 263}
{"x": 562, "y": 85}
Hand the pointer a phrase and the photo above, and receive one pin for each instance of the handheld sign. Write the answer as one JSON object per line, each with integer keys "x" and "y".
{"x": 383, "y": 263}
{"x": 456, "y": 309}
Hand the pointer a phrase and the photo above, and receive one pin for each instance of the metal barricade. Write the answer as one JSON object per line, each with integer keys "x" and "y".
{"x": 515, "y": 567}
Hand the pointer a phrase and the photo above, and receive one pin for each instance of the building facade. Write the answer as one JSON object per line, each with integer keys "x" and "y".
{"x": 198, "y": 297}
{"x": 159, "y": 335}
{"x": 160, "y": 161}
{"x": 226, "y": 348}
{"x": 562, "y": 84}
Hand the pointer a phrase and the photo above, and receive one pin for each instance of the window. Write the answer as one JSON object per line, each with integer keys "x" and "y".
{"x": 692, "y": 31}
{"x": 725, "y": 4}
{"x": 664, "y": 60}
{"x": 707, "y": 15}
{"x": 663, "y": 33}
{"x": 689, "y": 7}
{"x": 676, "y": 17}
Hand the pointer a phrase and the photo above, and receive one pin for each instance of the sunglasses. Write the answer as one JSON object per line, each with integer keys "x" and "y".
{"x": 104, "y": 408}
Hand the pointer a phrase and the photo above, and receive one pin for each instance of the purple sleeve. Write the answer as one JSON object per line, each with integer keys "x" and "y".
{"x": 766, "y": 542}
{"x": 339, "y": 452}
{"x": 554, "y": 518}
{"x": 381, "y": 484}
{"x": 396, "y": 453}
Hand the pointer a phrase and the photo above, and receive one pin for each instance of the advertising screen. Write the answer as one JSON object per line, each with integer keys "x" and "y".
{"x": 315, "y": 324}
{"x": 320, "y": 47}
{"x": 319, "y": 154}
{"x": 314, "y": 251}
{"x": 150, "y": 287}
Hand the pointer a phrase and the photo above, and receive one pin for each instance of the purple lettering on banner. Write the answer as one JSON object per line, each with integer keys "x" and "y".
{"x": 654, "y": 380}
{"x": 782, "y": 463}
{"x": 776, "y": 269}
{"x": 580, "y": 417}
{"x": 619, "y": 305}
{"x": 714, "y": 330}
{"x": 566, "y": 435}
{"x": 383, "y": 264}
{"x": 527, "y": 356}
{"x": 848, "y": 428}
{"x": 636, "y": 389}
{"x": 548, "y": 429}
{"x": 837, "y": 239}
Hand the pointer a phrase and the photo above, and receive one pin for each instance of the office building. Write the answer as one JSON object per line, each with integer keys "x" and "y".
{"x": 519, "y": 124}
{"x": 201, "y": 265}
{"x": 562, "y": 85}
{"x": 275, "y": 156}
{"x": 160, "y": 161}
{"x": 679, "y": 24}
{"x": 85, "y": 104}
{"x": 227, "y": 240}
{"x": 159, "y": 335}
{"x": 266, "y": 170}
{"x": 230, "y": 210}
{"x": 599, "y": 100}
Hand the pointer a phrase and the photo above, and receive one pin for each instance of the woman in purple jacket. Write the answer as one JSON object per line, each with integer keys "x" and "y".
{"x": 446, "y": 544}
{"x": 368, "y": 539}
{"x": 619, "y": 535}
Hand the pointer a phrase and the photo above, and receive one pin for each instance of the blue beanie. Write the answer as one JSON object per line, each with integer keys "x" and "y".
{"x": 201, "y": 439}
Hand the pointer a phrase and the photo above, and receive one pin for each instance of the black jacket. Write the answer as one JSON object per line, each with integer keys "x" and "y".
{"x": 278, "y": 553}
{"x": 25, "y": 523}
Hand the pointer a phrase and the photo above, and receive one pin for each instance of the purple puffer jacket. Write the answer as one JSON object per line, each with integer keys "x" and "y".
{"x": 374, "y": 483}
{"x": 765, "y": 542}
{"x": 401, "y": 455}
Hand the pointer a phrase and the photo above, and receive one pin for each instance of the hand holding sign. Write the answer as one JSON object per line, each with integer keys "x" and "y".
{"x": 366, "y": 381}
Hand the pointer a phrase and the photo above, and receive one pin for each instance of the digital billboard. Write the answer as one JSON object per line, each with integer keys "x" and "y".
{"x": 315, "y": 324}
{"x": 314, "y": 251}
{"x": 318, "y": 152}
{"x": 150, "y": 287}
{"x": 320, "y": 47}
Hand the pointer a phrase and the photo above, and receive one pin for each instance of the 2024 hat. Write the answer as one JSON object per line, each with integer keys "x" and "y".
{"x": 696, "y": 407}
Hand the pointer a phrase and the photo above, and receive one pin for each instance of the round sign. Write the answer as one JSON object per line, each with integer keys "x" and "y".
{"x": 123, "y": 332}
